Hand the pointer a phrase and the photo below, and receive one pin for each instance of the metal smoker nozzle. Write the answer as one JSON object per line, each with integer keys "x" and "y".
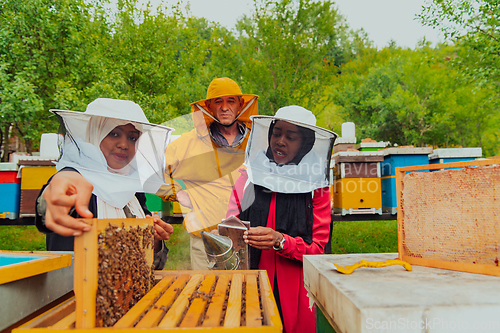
{"x": 220, "y": 252}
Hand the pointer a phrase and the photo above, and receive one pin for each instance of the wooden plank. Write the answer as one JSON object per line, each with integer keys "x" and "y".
{"x": 45, "y": 263}
{"x": 53, "y": 315}
{"x": 399, "y": 188}
{"x": 269, "y": 307}
{"x": 233, "y": 311}
{"x": 129, "y": 222}
{"x": 454, "y": 266}
{"x": 357, "y": 159}
{"x": 37, "y": 162}
{"x": 213, "y": 316}
{"x": 180, "y": 305}
{"x": 360, "y": 169}
{"x": 214, "y": 311}
{"x": 85, "y": 277}
{"x": 133, "y": 315}
{"x": 27, "y": 201}
{"x": 197, "y": 308}
{"x": 154, "y": 315}
{"x": 253, "y": 313}
{"x": 66, "y": 323}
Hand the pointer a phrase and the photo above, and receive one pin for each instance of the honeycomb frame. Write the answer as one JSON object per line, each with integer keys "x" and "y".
{"x": 105, "y": 235}
{"x": 447, "y": 217}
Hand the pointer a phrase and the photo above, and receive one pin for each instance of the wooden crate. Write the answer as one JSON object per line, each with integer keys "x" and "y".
{"x": 449, "y": 219}
{"x": 30, "y": 281}
{"x": 185, "y": 301}
{"x": 17, "y": 265}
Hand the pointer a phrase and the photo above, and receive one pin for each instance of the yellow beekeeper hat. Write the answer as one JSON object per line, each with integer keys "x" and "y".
{"x": 224, "y": 86}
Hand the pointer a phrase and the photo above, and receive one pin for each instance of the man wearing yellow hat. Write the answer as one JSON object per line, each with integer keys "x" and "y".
{"x": 207, "y": 159}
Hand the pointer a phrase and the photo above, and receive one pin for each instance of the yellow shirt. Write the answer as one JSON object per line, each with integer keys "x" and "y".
{"x": 208, "y": 172}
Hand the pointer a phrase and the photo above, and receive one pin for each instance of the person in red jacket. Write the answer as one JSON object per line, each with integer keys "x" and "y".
{"x": 284, "y": 193}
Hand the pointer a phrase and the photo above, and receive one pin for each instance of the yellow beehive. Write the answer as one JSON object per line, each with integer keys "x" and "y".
{"x": 185, "y": 301}
{"x": 449, "y": 219}
{"x": 34, "y": 177}
{"x": 32, "y": 180}
{"x": 356, "y": 193}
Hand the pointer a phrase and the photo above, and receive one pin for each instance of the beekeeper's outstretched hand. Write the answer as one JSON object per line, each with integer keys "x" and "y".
{"x": 66, "y": 190}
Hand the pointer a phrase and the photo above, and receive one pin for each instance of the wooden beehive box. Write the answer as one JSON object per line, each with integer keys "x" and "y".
{"x": 17, "y": 265}
{"x": 34, "y": 175}
{"x": 187, "y": 301}
{"x": 31, "y": 280}
{"x": 450, "y": 218}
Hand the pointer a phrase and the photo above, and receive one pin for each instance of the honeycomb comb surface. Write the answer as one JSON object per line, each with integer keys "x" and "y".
{"x": 452, "y": 215}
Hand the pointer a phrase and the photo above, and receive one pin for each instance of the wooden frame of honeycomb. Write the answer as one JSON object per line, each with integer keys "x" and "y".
{"x": 449, "y": 218}
{"x": 113, "y": 269}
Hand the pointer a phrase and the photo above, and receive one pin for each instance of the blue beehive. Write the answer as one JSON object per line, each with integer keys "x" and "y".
{"x": 393, "y": 158}
{"x": 10, "y": 188}
{"x": 448, "y": 155}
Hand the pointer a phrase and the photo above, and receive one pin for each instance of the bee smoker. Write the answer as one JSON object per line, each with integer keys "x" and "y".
{"x": 220, "y": 252}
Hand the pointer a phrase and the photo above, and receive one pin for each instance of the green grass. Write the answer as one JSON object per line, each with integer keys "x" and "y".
{"x": 347, "y": 237}
{"x": 364, "y": 237}
{"x": 178, "y": 245}
{"x": 21, "y": 238}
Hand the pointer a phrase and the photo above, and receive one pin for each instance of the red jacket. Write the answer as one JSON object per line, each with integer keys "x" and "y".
{"x": 287, "y": 263}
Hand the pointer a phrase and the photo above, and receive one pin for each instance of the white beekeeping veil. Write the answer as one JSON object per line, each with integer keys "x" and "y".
{"x": 288, "y": 153}
{"x": 84, "y": 132}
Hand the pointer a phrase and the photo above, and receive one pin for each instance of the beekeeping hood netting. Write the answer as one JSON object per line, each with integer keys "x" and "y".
{"x": 307, "y": 171}
{"x": 84, "y": 131}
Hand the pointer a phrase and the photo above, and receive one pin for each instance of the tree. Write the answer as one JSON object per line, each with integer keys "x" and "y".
{"x": 474, "y": 26}
{"x": 412, "y": 97}
{"x": 44, "y": 50}
{"x": 290, "y": 51}
{"x": 159, "y": 60}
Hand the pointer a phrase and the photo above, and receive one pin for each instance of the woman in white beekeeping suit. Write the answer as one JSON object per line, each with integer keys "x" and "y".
{"x": 111, "y": 156}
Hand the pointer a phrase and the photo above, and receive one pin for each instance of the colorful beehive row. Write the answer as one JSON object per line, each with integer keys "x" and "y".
{"x": 157, "y": 206}
{"x": 355, "y": 182}
{"x": 10, "y": 187}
